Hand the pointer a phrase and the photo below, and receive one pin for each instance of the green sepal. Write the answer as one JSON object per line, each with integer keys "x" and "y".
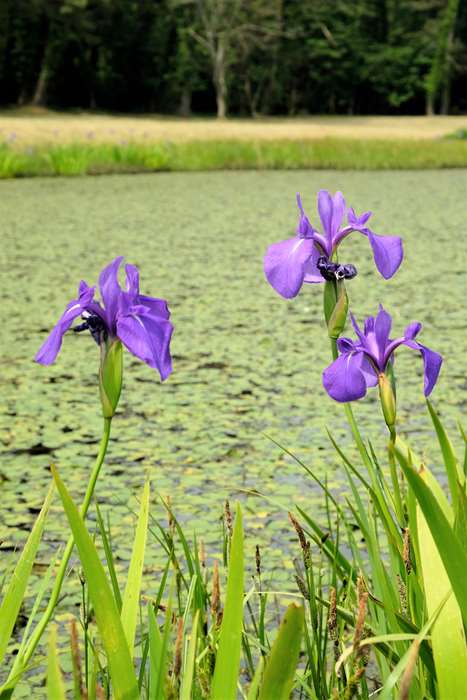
{"x": 110, "y": 376}
{"x": 388, "y": 400}
{"x": 329, "y": 299}
{"x": 337, "y": 320}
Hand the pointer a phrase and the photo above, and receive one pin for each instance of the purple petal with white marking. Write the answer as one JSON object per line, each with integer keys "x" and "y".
{"x": 344, "y": 380}
{"x": 312, "y": 274}
{"x": 51, "y": 347}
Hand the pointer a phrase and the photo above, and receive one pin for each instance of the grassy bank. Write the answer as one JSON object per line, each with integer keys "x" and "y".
{"x": 339, "y": 154}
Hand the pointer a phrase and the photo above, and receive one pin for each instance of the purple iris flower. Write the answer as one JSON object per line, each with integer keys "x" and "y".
{"x": 140, "y": 322}
{"x": 290, "y": 263}
{"x": 361, "y": 361}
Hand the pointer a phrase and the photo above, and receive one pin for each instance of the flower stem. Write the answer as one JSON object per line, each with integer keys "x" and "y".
{"x": 23, "y": 658}
{"x": 351, "y": 419}
{"x": 394, "y": 478}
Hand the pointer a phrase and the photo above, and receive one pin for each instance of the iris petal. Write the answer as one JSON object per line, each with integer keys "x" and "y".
{"x": 387, "y": 253}
{"x": 383, "y": 323}
{"x": 432, "y": 362}
{"x": 111, "y": 292}
{"x": 344, "y": 380}
{"x": 284, "y": 265}
{"x": 51, "y": 347}
{"x": 157, "y": 307}
{"x": 312, "y": 274}
{"x": 148, "y": 338}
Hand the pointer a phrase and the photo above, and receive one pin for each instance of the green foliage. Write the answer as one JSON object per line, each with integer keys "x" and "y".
{"x": 55, "y": 685}
{"x": 349, "y": 56}
{"x": 224, "y": 683}
{"x": 336, "y": 154}
{"x": 16, "y": 589}
{"x": 105, "y": 608}
{"x": 279, "y": 673}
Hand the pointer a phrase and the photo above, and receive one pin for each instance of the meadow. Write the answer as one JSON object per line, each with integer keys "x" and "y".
{"x": 247, "y": 365}
{"x": 44, "y": 143}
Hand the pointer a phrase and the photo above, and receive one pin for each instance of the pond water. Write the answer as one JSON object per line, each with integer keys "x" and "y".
{"x": 247, "y": 364}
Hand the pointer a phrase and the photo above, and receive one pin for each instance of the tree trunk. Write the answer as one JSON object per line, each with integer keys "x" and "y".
{"x": 184, "y": 108}
{"x": 429, "y": 105}
{"x": 446, "y": 94}
{"x": 41, "y": 86}
{"x": 445, "y": 97}
{"x": 220, "y": 84}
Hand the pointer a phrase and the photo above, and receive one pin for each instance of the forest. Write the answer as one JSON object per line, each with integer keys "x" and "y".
{"x": 235, "y": 57}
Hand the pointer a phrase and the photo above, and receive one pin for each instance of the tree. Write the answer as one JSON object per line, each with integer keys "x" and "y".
{"x": 439, "y": 76}
{"x": 222, "y": 25}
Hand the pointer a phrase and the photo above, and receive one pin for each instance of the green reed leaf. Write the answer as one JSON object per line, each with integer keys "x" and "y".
{"x": 224, "y": 684}
{"x": 130, "y": 604}
{"x": 105, "y": 608}
{"x": 189, "y": 666}
{"x": 450, "y": 549}
{"x": 16, "y": 589}
{"x": 55, "y": 686}
{"x": 280, "y": 668}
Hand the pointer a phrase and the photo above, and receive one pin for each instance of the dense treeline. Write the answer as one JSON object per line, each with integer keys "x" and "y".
{"x": 236, "y": 56}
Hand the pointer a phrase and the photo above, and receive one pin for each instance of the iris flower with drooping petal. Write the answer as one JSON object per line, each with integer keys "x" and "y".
{"x": 290, "y": 263}
{"x": 140, "y": 322}
{"x": 361, "y": 361}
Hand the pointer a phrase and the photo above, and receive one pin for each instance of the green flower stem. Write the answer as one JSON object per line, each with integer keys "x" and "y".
{"x": 351, "y": 420}
{"x": 22, "y": 659}
{"x": 396, "y": 485}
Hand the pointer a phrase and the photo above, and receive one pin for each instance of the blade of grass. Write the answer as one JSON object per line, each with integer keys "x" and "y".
{"x": 280, "y": 669}
{"x": 224, "y": 684}
{"x": 105, "y": 608}
{"x": 158, "y": 646}
{"x": 16, "y": 589}
{"x": 109, "y": 558}
{"x": 130, "y": 602}
{"x": 55, "y": 686}
{"x": 189, "y": 663}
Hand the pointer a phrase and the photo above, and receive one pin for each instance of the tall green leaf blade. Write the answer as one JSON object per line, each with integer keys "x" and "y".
{"x": 155, "y": 644}
{"x": 55, "y": 686}
{"x": 450, "y": 549}
{"x": 253, "y": 690}
{"x": 16, "y": 589}
{"x": 109, "y": 558}
{"x": 107, "y": 617}
{"x": 447, "y": 634}
{"x": 189, "y": 666}
{"x": 401, "y": 665}
{"x": 224, "y": 684}
{"x": 451, "y": 462}
{"x": 158, "y": 652}
{"x": 280, "y": 669}
{"x": 130, "y": 604}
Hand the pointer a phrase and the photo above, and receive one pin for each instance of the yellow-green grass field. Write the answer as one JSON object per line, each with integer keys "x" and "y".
{"x": 34, "y": 126}
{"x": 38, "y": 142}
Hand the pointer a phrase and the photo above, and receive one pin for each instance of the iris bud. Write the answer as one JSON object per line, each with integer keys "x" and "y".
{"x": 110, "y": 376}
{"x": 388, "y": 400}
{"x": 336, "y": 305}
